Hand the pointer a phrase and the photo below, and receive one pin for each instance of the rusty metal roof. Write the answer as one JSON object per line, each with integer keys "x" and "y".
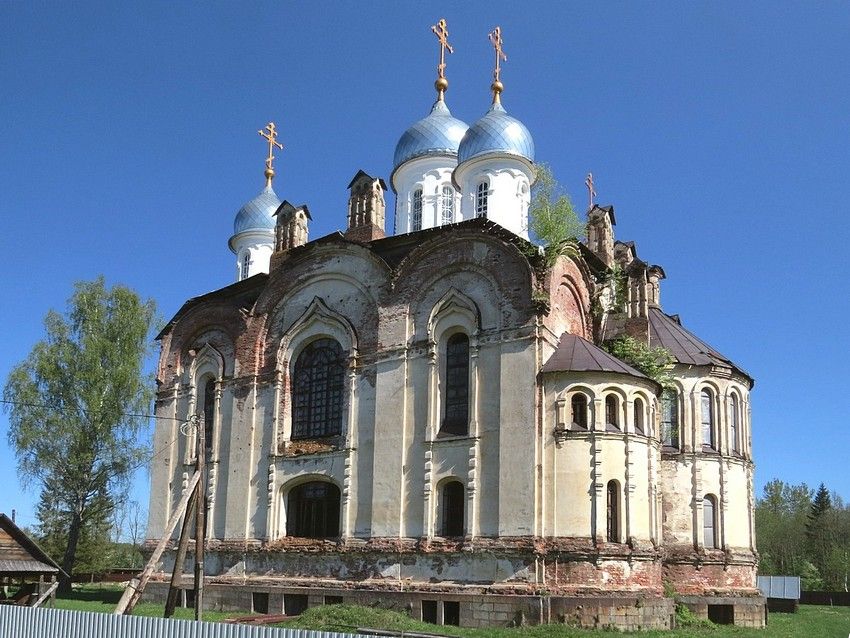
{"x": 575, "y": 354}
{"x": 667, "y": 331}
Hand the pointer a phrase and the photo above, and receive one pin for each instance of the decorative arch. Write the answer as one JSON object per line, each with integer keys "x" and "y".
{"x": 454, "y": 312}
{"x": 310, "y": 507}
{"x": 317, "y": 321}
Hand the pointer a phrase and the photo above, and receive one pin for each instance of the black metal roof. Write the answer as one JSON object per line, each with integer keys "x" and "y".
{"x": 667, "y": 332}
{"x": 575, "y": 354}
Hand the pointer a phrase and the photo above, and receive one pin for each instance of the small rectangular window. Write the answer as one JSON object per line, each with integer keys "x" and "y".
{"x": 333, "y": 600}
{"x": 429, "y": 611}
{"x": 451, "y": 613}
{"x": 259, "y": 602}
{"x": 294, "y": 604}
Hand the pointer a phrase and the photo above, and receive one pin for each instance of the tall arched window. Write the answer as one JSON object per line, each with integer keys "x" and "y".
{"x": 312, "y": 510}
{"x": 733, "y": 422}
{"x": 452, "y": 509}
{"x": 670, "y": 419}
{"x": 613, "y": 512}
{"x": 639, "y": 416}
{"x": 209, "y": 414}
{"x": 707, "y": 412}
{"x": 447, "y": 205}
{"x": 246, "y": 265}
{"x": 709, "y": 524}
{"x": 482, "y": 193}
{"x": 317, "y": 388}
{"x": 578, "y": 406}
{"x": 416, "y": 210}
{"x": 612, "y": 418}
{"x": 456, "y": 419}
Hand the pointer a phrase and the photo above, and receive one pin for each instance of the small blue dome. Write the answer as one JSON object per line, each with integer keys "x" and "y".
{"x": 496, "y": 132}
{"x": 437, "y": 134}
{"x": 258, "y": 214}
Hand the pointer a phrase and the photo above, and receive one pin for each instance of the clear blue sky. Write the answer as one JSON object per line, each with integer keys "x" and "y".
{"x": 719, "y": 130}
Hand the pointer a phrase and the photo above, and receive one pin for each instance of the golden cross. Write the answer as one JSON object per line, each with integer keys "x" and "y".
{"x": 591, "y": 193}
{"x": 442, "y": 34}
{"x": 496, "y": 41}
{"x": 271, "y": 136}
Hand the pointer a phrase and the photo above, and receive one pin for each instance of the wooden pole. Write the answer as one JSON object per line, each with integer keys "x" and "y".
{"x": 180, "y": 559}
{"x": 200, "y": 523}
{"x": 137, "y": 585}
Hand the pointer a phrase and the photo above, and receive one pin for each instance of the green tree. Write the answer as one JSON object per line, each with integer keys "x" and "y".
{"x": 819, "y": 532}
{"x": 552, "y": 218}
{"x": 72, "y": 407}
{"x": 781, "y": 516}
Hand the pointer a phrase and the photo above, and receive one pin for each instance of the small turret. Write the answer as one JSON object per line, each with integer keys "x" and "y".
{"x": 600, "y": 232}
{"x": 366, "y": 208}
{"x": 291, "y": 228}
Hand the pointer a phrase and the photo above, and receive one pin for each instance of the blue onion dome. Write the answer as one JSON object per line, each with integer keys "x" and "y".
{"x": 257, "y": 214}
{"x": 496, "y": 132}
{"x": 437, "y": 134}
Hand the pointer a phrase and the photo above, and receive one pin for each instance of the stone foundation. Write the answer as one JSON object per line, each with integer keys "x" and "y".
{"x": 743, "y": 611}
{"x": 443, "y": 608}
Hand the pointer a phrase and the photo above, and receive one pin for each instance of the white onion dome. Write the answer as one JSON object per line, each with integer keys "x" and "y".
{"x": 496, "y": 132}
{"x": 257, "y": 214}
{"x": 437, "y": 134}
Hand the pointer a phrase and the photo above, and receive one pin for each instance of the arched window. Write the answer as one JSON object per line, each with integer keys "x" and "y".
{"x": 670, "y": 419}
{"x": 452, "y": 510}
{"x": 246, "y": 266}
{"x": 733, "y": 422}
{"x": 312, "y": 510}
{"x": 613, "y": 512}
{"x": 456, "y": 420}
{"x": 639, "y": 416}
{"x": 578, "y": 406}
{"x": 416, "y": 211}
{"x": 447, "y": 205}
{"x": 709, "y": 521}
{"x": 611, "y": 417}
{"x": 707, "y": 412}
{"x": 317, "y": 386}
{"x": 481, "y": 195}
{"x": 209, "y": 414}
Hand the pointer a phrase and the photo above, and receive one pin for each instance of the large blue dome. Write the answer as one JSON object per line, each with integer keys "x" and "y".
{"x": 258, "y": 214}
{"x": 496, "y": 132}
{"x": 437, "y": 134}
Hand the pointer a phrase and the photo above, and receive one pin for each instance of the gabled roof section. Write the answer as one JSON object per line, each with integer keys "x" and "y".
{"x": 245, "y": 292}
{"x": 361, "y": 173}
{"x": 667, "y": 332}
{"x": 575, "y": 354}
{"x": 22, "y": 555}
{"x": 287, "y": 208}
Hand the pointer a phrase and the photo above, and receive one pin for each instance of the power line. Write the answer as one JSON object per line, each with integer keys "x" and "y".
{"x": 127, "y": 414}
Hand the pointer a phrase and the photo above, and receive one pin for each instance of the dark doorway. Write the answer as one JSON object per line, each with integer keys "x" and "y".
{"x": 429, "y": 611}
{"x": 451, "y": 613}
{"x": 721, "y": 614}
{"x": 259, "y": 602}
{"x": 294, "y": 604}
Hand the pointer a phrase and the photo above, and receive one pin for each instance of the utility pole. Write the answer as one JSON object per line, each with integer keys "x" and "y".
{"x": 200, "y": 522}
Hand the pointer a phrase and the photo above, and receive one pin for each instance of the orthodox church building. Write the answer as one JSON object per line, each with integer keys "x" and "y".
{"x": 428, "y": 420}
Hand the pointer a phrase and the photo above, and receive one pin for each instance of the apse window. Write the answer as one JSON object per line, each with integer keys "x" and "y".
{"x": 317, "y": 388}
{"x": 456, "y": 419}
{"x": 416, "y": 211}
{"x": 482, "y": 193}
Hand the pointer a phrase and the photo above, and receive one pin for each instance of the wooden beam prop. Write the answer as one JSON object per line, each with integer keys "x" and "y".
{"x": 137, "y": 585}
{"x": 180, "y": 559}
{"x": 45, "y": 595}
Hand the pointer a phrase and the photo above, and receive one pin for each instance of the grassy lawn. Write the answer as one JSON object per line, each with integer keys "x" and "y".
{"x": 810, "y": 622}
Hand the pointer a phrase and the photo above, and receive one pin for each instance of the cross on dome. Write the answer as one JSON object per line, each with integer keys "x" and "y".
{"x": 270, "y": 134}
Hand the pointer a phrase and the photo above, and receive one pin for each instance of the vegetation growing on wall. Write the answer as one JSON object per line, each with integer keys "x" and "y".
{"x": 653, "y": 362}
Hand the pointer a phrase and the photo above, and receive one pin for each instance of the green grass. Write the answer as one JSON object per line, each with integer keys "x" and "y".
{"x": 810, "y": 622}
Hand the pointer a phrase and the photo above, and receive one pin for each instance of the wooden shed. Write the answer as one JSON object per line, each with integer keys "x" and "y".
{"x": 27, "y": 574}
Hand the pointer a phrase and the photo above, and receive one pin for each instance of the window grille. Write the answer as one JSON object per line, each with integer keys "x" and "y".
{"x": 670, "y": 419}
{"x": 578, "y": 405}
{"x": 457, "y": 385}
{"x": 613, "y": 503}
{"x": 246, "y": 266}
{"x": 448, "y": 205}
{"x": 709, "y": 522}
{"x": 453, "y": 509}
{"x": 416, "y": 211}
{"x": 313, "y": 510}
{"x": 317, "y": 389}
{"x": 707, "y": 418}
{"x": 481, "y": 195}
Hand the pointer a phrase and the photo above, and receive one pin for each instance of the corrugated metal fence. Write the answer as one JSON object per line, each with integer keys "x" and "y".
{"x": 27, "y": 622}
